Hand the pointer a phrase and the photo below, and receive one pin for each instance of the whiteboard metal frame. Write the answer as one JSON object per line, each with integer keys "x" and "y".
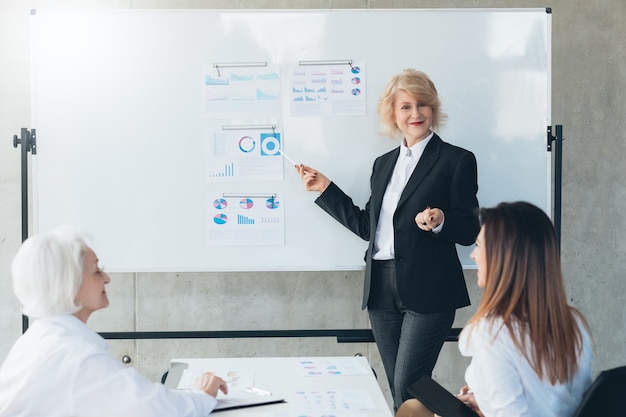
{"x": 349, "y": 265}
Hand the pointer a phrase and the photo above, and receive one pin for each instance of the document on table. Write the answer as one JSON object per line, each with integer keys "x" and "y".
{"x": 241, "y": 389}
{"x": 245, "y": 398}
{"x": 236, "y": 380}
{"x": 333, "y": 401}
{"x": 330, "y": 367}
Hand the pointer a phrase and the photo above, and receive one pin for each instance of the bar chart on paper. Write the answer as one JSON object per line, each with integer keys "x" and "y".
{"x": 227, "y": 171}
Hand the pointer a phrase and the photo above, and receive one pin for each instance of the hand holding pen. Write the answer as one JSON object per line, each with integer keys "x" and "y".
{"x": 467, "y": 396}
{"x": 429, "y": 219}
{"x": 313, "y": 179}
{"x": 210, "y": 383}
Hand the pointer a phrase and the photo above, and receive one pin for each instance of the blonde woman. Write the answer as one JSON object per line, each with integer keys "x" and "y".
{"x": 423, "y": 202}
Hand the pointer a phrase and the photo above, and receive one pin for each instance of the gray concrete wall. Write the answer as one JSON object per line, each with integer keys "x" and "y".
{"x": 588, "y": 85}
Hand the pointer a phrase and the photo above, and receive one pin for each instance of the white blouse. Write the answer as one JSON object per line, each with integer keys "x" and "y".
{"x": 60, "y": 367}
{"x": 405, "y": 165}
{"x": 505, "y": 385}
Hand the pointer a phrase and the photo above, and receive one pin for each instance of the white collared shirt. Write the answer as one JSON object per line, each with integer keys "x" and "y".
{"x": 59, "y": 367}
{"x": 505, "y": 385}
{"x": 383, "y": 240}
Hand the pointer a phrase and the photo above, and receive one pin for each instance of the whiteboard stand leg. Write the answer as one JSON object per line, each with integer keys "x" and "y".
{"x": 28, "y": 140}
{"x": 558, "y": 175}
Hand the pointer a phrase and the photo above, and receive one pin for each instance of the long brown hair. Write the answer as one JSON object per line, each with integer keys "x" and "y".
{"x": 524, "y": 288}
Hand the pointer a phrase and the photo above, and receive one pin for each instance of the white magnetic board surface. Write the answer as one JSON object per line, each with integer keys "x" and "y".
{"x": 123, "y": 123}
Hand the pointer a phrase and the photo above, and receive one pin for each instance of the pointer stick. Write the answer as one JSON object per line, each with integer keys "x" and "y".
{"x": 285, "y": 155}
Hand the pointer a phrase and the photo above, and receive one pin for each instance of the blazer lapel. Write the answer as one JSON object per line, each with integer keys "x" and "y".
{"x": 381, "y": 180}
{"x": 425, "y": 164}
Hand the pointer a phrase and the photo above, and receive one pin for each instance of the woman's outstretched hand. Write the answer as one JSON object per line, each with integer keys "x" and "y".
{"x": 313, "y": 180}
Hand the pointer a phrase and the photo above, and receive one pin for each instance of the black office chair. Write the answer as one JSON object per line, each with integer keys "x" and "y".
{"x": 605, "y": 397}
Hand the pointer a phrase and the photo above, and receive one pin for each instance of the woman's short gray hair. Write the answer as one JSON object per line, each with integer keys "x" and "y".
{"x": 47, "y": 272}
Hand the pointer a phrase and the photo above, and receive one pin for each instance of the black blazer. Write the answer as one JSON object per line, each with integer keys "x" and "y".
{"x": 428, "y": 271}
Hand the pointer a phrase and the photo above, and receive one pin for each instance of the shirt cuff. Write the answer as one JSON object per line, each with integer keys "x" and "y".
{"x": 438, "y": 228}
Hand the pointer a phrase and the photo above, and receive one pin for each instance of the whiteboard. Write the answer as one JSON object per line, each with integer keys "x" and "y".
{"x": 120, "y": 108}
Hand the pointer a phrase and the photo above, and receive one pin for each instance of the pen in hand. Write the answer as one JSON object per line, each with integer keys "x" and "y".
{"x": 259, "y": 391}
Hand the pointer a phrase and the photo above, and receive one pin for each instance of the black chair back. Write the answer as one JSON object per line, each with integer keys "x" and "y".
{"x": 605, "y": 397}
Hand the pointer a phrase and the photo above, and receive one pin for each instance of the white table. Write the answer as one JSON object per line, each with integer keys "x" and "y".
{"x": 304, "y": 382}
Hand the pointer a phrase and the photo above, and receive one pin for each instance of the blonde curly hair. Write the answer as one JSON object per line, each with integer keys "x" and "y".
{"x": 421, "y": 88}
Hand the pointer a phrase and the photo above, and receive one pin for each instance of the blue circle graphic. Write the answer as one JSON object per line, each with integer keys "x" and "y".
{"x": 220, "y": 203}
{"x": 247, "y": 144}
{"x": 220, "y": 218}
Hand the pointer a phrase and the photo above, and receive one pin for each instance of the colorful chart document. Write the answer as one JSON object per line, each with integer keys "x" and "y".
{"x": 244, "y": 155}
{"x": 329, "y": 367}
{"x": 245, "y": 219}
{"x": 236, "y": 89}
{"x": 333, "y": 401}
{"x": 328, "y": 90}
